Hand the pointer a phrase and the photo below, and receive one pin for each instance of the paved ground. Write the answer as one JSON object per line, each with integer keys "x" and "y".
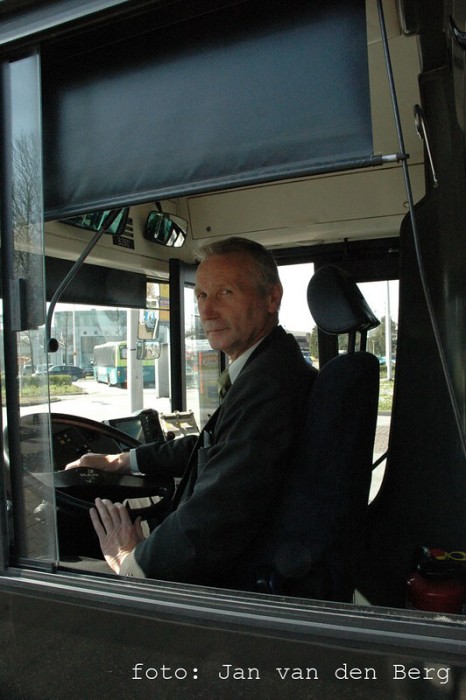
{"x": 381, "y": 436}
{"x": 380, "y": 446}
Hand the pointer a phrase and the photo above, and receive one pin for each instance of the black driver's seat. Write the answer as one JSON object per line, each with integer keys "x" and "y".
{"x": 319, "y": 533}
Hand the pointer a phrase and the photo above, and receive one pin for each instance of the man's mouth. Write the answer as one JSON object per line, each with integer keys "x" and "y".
{"x": 215, "y": 330}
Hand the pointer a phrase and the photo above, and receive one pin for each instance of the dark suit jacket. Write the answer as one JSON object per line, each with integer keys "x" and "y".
{"x": 235, "y": 469}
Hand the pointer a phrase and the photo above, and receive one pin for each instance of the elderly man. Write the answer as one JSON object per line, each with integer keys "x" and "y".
{"x": 233, "y": 472}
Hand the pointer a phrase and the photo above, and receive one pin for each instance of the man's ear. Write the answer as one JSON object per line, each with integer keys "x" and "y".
{"x": 275, "y": 297}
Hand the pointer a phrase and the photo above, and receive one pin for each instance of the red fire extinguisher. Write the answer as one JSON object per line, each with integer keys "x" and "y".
{"x": 437, "y": 585}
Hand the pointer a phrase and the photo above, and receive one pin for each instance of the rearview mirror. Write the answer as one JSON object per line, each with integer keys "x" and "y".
{"x": 147, "y": 350}
{"x": 97, "y": 220}
{"x": 166, "y": 229}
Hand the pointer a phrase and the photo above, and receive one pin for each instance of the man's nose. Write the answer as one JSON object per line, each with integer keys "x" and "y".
{"x": 208, "y": 308}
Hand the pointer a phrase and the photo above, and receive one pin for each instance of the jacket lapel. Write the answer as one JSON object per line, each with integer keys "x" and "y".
{"x": 190, "y": 473}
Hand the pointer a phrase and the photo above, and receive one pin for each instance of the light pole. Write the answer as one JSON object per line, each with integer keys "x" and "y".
{"x": 388, "y": 335}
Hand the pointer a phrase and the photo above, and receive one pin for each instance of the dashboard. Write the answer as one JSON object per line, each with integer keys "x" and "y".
{"x": 71, "y": 438}
{"x": 76, "y": 489}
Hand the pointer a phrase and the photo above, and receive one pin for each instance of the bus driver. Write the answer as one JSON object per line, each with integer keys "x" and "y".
{"x": 234, "y": 470}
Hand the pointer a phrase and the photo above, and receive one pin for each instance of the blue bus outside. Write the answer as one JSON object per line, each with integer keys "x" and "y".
{"x": 110, "y": 364}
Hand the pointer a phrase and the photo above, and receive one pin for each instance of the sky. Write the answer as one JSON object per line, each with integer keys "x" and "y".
{"x": 294, "y": 312}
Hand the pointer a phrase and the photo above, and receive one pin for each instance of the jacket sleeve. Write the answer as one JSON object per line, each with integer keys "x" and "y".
{"x": 238, "y": 480}
{"x": 165, "y": 458}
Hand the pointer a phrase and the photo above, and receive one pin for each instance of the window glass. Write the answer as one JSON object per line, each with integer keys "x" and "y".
{"x": 96, "y": 371}
{"x": 295, "y": 316}
{"x": 28, "y": 450}
{"x": 109, "y": 381}
{"x": 202, "y": 364}
{"x": 382, "y": 297}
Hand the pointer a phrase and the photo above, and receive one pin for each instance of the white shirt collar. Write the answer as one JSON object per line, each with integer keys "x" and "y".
{"x": 237, "y": 365}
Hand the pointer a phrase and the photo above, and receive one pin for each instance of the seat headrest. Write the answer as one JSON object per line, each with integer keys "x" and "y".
{"x": 336, "y": 303}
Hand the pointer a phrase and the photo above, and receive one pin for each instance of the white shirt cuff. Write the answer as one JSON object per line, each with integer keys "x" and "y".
{"x": 133, "y": 462}
{"x": 130, "y": 567}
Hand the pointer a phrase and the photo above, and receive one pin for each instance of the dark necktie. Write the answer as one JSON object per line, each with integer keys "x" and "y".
{"x": 224, "y": 383}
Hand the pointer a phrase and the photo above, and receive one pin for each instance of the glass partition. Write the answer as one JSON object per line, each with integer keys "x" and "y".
{"x": 27, "y": 454}
{"x": 202, "y": 364}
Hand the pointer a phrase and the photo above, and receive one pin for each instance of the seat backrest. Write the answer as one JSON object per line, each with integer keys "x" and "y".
{"x": 338, "y": 306}
{"x": 320, "y": 526}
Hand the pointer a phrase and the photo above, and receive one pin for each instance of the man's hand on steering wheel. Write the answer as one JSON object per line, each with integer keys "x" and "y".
{"x": 109, "y": 463}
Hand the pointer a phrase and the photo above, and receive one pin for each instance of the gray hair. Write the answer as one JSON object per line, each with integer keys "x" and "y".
{"x": 264, "y": 261}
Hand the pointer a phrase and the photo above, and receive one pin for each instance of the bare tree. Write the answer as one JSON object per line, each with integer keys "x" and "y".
{"x": 27, "y": 209}
{"x": 27, "y": 223}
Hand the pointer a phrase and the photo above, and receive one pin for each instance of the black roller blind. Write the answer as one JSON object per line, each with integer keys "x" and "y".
{"x": 255, "y": 92}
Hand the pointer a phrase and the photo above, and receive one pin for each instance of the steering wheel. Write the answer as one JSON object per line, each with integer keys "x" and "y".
{"x": 76, "y": 489}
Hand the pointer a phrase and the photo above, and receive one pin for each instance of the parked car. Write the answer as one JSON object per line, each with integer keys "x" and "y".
{"x": 28, "y": 370}
{"x": 72, "y": 370}
{"x": 307, "y": 356}
{"x": 383, "y": 360}
{"x": 88, "y": 369}
{"x": 41, "y": 369}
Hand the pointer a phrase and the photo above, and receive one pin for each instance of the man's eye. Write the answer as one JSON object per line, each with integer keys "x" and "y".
{"x": 201, "y": 295}
{"x": 223, "y": 292}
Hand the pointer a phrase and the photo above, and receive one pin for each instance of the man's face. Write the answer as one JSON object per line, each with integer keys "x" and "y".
{"x": 234, "y": 314}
